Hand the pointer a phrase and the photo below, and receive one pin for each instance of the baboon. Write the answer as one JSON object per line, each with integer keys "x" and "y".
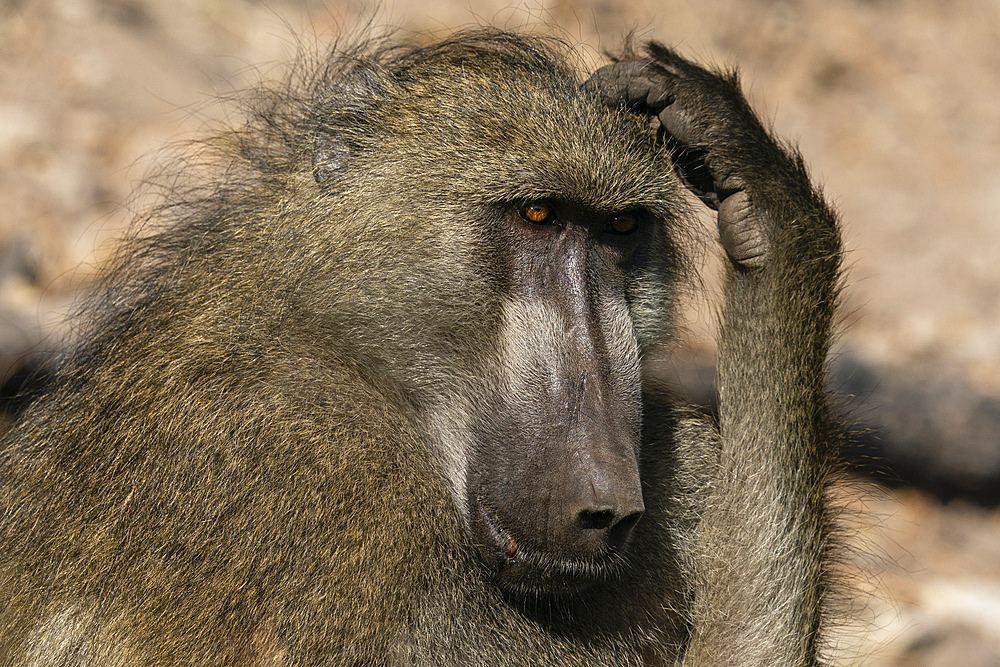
{"x": 374, "y": 394}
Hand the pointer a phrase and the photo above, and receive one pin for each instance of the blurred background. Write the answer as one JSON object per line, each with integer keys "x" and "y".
{"x": 895, "y": 105}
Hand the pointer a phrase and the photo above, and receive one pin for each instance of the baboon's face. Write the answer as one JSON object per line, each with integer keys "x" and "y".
{"x": 554, "y": 491}
{"x": 524, "y": 260}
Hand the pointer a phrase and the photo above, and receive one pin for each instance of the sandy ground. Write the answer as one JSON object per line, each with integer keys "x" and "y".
{"x": 896, "y": 106}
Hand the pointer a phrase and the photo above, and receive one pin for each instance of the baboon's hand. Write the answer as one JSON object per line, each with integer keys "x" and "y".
{"x": 719, "y": 147}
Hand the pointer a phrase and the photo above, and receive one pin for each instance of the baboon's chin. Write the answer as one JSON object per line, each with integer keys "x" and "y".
{"x": 524, "y": 571}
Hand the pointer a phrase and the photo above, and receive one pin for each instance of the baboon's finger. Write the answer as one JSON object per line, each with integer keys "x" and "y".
{"x": 632, "y": 82}
{"x": 742, "y": 233}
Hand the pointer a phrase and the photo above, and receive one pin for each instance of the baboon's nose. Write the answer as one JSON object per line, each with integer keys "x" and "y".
{"x": 601, "y": 528}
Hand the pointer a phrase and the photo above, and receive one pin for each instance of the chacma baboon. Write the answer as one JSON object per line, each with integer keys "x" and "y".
{"x": 375, "y": 394}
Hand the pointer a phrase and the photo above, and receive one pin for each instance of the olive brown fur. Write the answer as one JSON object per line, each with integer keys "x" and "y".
{"x": 372, "y": 392}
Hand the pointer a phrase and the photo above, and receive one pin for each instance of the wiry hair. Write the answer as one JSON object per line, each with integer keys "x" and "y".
{"x": 248, "y": 458}
{"x": 478, "y": 121}
{"x": 304, "y": 250}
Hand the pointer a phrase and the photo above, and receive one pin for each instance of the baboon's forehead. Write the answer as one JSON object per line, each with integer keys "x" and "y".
{"x": 528, "y": 136}
{"x": 501, "y": 116}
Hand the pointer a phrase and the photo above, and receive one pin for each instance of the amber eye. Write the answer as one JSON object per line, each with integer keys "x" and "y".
{"x": 623, "y": 223}
{"x": 540, "y": 214}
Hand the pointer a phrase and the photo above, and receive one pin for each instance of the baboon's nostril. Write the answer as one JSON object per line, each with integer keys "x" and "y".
{"x": 595, "y": 519}
{"x": 618, "y": 535}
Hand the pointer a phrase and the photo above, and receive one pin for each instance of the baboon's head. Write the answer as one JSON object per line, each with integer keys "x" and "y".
{"x": 500, "y": 246}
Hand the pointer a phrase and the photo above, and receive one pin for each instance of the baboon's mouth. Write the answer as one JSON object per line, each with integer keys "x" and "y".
{"x": 523, "y": 570}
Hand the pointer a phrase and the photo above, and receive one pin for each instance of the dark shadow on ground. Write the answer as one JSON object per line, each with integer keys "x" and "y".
{"x": 922, "y": 428}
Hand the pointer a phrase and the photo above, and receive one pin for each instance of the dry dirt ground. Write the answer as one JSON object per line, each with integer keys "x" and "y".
{"x": 896, "y": 106}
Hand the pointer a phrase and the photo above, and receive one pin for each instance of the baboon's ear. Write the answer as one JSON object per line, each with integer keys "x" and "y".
{"x": 330, "y": 157}
{"x": 361, "y": 90}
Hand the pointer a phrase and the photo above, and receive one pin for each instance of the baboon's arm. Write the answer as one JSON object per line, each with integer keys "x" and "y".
{"x": 759, "y": 561}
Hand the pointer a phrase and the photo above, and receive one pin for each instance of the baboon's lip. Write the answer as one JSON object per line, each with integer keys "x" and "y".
{"x": 525, "y": 570}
